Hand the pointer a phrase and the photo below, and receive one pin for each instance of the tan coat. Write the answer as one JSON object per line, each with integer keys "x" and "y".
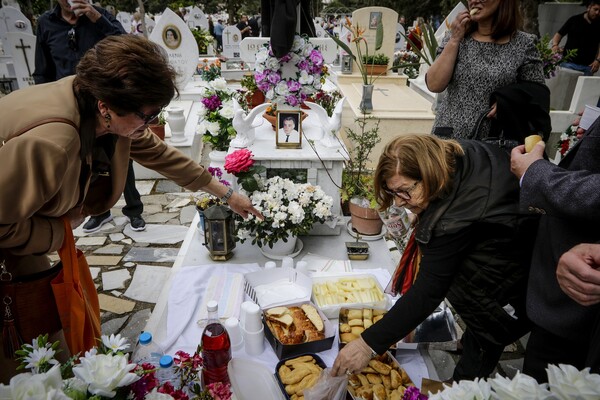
{"x": 40, "y": 169}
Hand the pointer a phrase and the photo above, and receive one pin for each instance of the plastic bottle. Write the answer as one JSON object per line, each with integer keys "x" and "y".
{"x": 216, "y": 348}
{"x": 147, "y": 351}
{"x": 166, "y": 372}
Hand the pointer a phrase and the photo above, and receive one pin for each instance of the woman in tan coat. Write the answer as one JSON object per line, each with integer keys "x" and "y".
{"x": 65, "y": 148}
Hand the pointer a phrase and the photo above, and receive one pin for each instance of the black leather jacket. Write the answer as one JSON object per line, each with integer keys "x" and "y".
{"x": 473, "y": 253}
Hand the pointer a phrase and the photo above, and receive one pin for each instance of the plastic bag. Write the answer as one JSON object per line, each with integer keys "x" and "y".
{"x": 328, "y": 387}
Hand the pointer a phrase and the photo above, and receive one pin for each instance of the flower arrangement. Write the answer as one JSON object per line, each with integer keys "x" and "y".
{"x": 551, "y": 59}
{"x": 357, "y": 37}
{"x": 293, "y": 77}
{"x": 567, "y": 139}
{"x": 104, "y": 372}
{"x": 209, "y": 71}
{"x": 203, "y": 38}
{"x": 216, "y": 112}
{"x": 289, "y": 209}
{"x": 241, "y": 164}
{"x": 327, "y": 100}
{"x": 408, "y": 60}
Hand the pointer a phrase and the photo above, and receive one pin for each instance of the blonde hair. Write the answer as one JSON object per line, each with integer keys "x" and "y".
{"x": 424, "y": 158}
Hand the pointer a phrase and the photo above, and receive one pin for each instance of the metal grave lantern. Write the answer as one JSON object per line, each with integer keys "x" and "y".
{"x": 346, "y": 64}
{"x": 218, "y": 232}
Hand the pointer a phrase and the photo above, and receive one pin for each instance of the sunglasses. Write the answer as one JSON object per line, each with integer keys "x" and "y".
{"x": 403, "y": 194}
{"x": 72, "y": 39}
{"x": 147, "y": 118}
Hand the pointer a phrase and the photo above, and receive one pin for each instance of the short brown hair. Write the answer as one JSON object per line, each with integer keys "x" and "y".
{"x": 424, "y": 158}
{"x": 507, "y": 20}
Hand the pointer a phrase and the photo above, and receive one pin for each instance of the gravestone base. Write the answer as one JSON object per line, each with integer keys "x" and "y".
{"x": 400, "y": 109}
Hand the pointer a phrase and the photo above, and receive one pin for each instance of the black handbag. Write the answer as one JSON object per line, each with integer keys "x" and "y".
{"x": 496, "y": 140}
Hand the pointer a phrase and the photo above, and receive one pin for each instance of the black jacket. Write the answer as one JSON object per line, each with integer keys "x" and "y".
{"x": 473, "y": 253}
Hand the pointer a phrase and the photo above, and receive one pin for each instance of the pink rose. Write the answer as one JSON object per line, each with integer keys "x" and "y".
{"x": 239, "y": 161}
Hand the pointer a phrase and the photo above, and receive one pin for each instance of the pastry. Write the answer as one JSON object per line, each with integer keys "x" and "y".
{"x": 531, "y": 141}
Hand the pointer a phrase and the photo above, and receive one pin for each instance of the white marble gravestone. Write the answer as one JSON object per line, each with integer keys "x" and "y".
{"x": 232, "y": 37}
{"x": 11, "y": 3}
{"x": 125, "y": 19}
{"x": 320, "y": 32}
{"x": 250, "y": 46}
{"x": 150, "y": 24}
{"x": 400, "y": 39}
{"x": 22, "y": 48}
{"x": 367, "y": 18}
{"x": 12, "y": 20}
{"x": 197, "y": 19}
{"x": 173, "y": 35}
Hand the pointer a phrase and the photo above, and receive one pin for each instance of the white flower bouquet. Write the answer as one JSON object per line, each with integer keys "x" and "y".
{"x": 289, "y": 209}
{"x": 216, "y": 115}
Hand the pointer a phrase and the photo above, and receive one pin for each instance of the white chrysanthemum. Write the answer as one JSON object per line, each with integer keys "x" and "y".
{"x": 213, "y": 128}
{"x": 521, "y": 387}
{"x": 38, "y": 357}
{"x": 201, "y": 128}
{"x": 478, "y": 389}
{"x": 105, "y": 373}
{"x": 156, "y": 395}
{"x": 567, "y": 382}
{"x": 202, "y": 111}
{"x": 305, "y": 78}
{"x": 44, "y": 386}
{"x": 281, "y": 88}
{"x": 262, "y": 55}
{"x": 298, "y": 43}
{"x": 219, "y": 84}
{"x": 115, "y": 343}
{"x": 226, "y": 110}
{"x": 272, "y": 63}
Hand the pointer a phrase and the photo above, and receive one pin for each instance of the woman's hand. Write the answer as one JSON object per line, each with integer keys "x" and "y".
{"x": 243, "y": 206}
{"x": 459, "y": 26}
{"x": 352, "y": 358}
{"x": 492, "y": 112}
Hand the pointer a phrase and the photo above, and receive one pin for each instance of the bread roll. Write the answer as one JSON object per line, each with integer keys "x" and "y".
{"x": 473, "y": 11}
{"x": 531, "y": 141}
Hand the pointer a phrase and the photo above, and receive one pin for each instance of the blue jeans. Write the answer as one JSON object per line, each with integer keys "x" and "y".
{"x": 586, "y": 69}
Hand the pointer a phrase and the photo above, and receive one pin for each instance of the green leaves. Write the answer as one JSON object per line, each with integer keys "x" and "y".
{"x": 379, "y": 36}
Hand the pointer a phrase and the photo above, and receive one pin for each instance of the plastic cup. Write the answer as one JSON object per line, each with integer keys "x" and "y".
{"x": 254, "y": 343}
{"x": 270, "y": 264}
{"x": 235, "y": 332}
{"x": 244, "y": 312}
{"x": 287, "y": 262}
{"x": 252, "y": 321}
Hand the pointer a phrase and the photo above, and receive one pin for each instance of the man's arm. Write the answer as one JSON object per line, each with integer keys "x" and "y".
{"x": 45, "y": 70}
{"x": 556, "y": 42}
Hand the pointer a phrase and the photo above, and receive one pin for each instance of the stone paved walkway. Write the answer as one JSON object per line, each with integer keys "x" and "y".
{"x": 130, "y": 267}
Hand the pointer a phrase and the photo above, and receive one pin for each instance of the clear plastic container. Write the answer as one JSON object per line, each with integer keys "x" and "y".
{"x": 166, "y": 372}
{"x": 147, "y": 351}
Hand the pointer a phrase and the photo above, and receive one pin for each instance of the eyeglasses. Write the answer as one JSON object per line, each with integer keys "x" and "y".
{"x": 403, "y": 194}
{"x": 72, "y": 39}
{"x": 147, "y": 118}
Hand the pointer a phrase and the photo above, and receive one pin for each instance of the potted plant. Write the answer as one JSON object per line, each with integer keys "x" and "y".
{"x": 357, "y": 189}
{"x": 253, "y": 95}
{"x": 375, "y": 64}
{"x": 159, "y": 128}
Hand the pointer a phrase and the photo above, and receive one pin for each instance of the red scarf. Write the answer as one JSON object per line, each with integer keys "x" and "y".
{"x": 408, "y": 267}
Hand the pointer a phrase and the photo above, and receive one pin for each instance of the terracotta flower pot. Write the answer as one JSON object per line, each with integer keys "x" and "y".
{"x": 158, "y": 130}
{"x": 375, "y": 69}
{"x": 365, "y": 220}
{"x": 255, "y": 99}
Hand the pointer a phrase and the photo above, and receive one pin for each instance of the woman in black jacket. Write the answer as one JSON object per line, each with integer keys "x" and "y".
{"x": 470, "y": 245}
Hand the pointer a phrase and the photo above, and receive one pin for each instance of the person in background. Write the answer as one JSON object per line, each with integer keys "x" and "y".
{"x": 470, "y": 245}
{"x": 244, "y": 27}
{"x": 136, "y": 24}
{"x": 567, "y": 198}
{"x": 78, "y": 166}
{"x": 583, "y": 33}
{"x": 254, "y": 23}
{"x": 219, "y": 34}
{"x": 63, "y": 36}
{"x": 482, "y": 52}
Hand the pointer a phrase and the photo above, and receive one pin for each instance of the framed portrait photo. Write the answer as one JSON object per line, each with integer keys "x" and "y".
{"x": 171, "y": 37}
{"x": 374, "y": 19}
{"x": 289, "y": 130}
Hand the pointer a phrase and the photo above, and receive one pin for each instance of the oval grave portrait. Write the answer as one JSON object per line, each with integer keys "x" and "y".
{"x": 171, "y": 36}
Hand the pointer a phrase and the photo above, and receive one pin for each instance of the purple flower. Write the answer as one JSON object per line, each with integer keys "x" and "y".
{"x": 413, "y": 393}
{"x": 285, "y": 58}
{"x": 316, "y": 57}
{"x": 292, "y": 100}
{"x": 215, "y": 171}
{"x": 259, "y": 76}
{"x": 294, "y": 86}
{"x": 303, "y": 65}
{"x": 212, "y": 103}
{"x": 274, "y": 78}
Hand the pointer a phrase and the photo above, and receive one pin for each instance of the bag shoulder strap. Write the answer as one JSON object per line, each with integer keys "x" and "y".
{"x": 476, "y": 133}
{"x": 38, "y": 123}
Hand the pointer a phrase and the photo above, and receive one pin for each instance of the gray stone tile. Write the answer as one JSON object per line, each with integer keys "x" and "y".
{"x": 115, "y": 237}
{"x": 443, "y": 363}
{"x": 157, "y": 199}
{"x": 115, "y": 279}
{"x": 167, "y": 186}
{"x": 150, "y": 209}
{"x": 94, "y": 271}
{"x": 159, "y": 234}
{"x": 160, "y": 218}
{"x": 115, "y": 305}
{"x": 91, "y": 241}
{"x": 114, "y": 249}
{"x": 103, "y": 260}
{"x": 135, "y": 326}
{"x": 129, "y": 264}
{"x": 151, "y": 254}
{"x": 178, "y": 203}
{"x": 113, "y": 326}
{"x": 147, "y": 283}
{"x": 127, "y": 241}
{"x": 144, "y": 187}
{"x": 116, "y": 293}
{"x": 187, "y": 214}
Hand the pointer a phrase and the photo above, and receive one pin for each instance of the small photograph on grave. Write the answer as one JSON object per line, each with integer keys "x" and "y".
{"x": 171, "y": 36}
{"x": 289, "y": 130}
{"x": 374, "y": 19}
